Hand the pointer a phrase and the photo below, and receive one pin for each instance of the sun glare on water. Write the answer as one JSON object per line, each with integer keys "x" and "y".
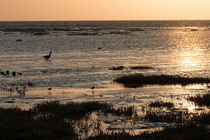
{"x": 191, "y": 108}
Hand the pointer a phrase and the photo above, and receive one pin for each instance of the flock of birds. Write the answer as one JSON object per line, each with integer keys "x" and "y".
{"x": 7, "y": 73}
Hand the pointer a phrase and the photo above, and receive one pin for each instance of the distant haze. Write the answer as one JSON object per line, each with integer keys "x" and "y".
{"x": 38, "y": 10}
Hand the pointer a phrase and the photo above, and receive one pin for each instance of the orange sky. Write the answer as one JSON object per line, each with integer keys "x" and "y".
{"x": 26, "y": 10}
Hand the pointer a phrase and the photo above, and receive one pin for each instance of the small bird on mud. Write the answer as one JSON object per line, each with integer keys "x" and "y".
{"x": 93, "y": 87}
{"x": 47, "y": 57}
{"x": 49, "y": 91}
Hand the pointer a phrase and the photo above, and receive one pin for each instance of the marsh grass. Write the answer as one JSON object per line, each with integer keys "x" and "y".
{"x": 181, "y": 132}
{"x": 47, "y": 120}
{"x": 161, "y": 104}
{"x": 140, "y": 67}
{"x": 193, "y": 129}
{"x": 138, "y": 80}
{"x": 168, "y": 117}
{"x": 70, "y": 110}
{"x": 123, "y": 111}
{"x": 19, "y": 124}
{"x": 201, "y": 100}
{"x": 131, "y": 68}
{"x": 53, "y": 120}
{"x": 117, "y": 68}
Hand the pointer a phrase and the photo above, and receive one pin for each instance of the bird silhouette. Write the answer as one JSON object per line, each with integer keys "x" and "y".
{"x": 13, "y": 73}
{"x": 7, "y": 72}
{"x": 47, "y": 57}
{"x": 93, "y": 87}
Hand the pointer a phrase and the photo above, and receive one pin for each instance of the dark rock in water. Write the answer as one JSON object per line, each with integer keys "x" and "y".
{"x": 13, "y": 73}
{"x": 7, "y": 72}
{"x": 19, "y": 73}
{"x": 19, "y": 40}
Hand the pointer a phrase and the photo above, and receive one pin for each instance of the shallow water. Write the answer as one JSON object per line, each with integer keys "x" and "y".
{"x": 83, "y": 52}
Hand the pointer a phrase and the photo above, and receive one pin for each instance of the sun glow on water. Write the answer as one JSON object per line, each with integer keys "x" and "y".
{"x": 191, "y": 108}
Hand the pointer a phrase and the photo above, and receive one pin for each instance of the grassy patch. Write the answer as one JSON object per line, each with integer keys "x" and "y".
{"x": 161, "y": 104}
{"x": 132, "y": 68}
{"x": 182, "y": 132}
{"x": 168, "y": 117}
{"x": 70, "y": 110}
{"x": 19, "y": 124}
{"x": 140, "y": 67}
{"x": 123, "y": 111}
{"x": 50, "y": 120}
{"x": 201, "y": 100}
{"x": 53, "y": 120}
{"x": 194, "y": 129}
{"x": 138, "y": 80}
{"x": 117, "y": 68}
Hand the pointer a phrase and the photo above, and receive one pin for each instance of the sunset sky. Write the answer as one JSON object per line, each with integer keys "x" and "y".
{"x": 27, "y": 10}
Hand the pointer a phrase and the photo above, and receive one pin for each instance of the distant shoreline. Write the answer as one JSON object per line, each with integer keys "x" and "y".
{"x": 101, "y": 20}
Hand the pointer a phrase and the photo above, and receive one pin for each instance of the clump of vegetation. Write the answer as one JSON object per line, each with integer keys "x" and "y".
{"x": 50, "y": 120}
{"x": 123, "y": 111}
{"x": 169, "y": 117}
{"x": 132, "y": 68}
{"x": 117, "y": 68}
{"x": 140, "y": 67}
{"x": 138, "y": 80}
{"x": 53, "y": 120}
{"x": 161, "y": 104}
{"x": 180, "y": 132}
{"x": 47, "y": 120}
{"x": 201, "y": 100}
{"x": 40, "y": 33}
{"x": 70, "y": 110}
{"x": 190, "y": 128}
{"x": 19, "y": 124}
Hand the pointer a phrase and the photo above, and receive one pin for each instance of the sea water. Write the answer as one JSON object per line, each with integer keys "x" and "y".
{"x": 83, "y": 53}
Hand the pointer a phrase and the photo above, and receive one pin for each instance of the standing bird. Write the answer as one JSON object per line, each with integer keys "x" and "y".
{"x": 46, "y": 57}
{"x": 13, "y": 73}
{"x": 7, "y": 72}
{"x": 93, "y": 87}
{"x": 49, "y": 91}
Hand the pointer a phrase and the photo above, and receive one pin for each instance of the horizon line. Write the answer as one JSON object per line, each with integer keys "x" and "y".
{"x": 102, "y": 20}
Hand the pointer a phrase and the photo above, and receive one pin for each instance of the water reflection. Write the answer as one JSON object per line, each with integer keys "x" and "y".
{"x": 191, "y": 59}
{"x": 191, "y": 108}
{"x": 188, "y": 53}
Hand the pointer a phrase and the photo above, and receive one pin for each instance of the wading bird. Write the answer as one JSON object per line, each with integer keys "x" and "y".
{"x": 46, "y": 57}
